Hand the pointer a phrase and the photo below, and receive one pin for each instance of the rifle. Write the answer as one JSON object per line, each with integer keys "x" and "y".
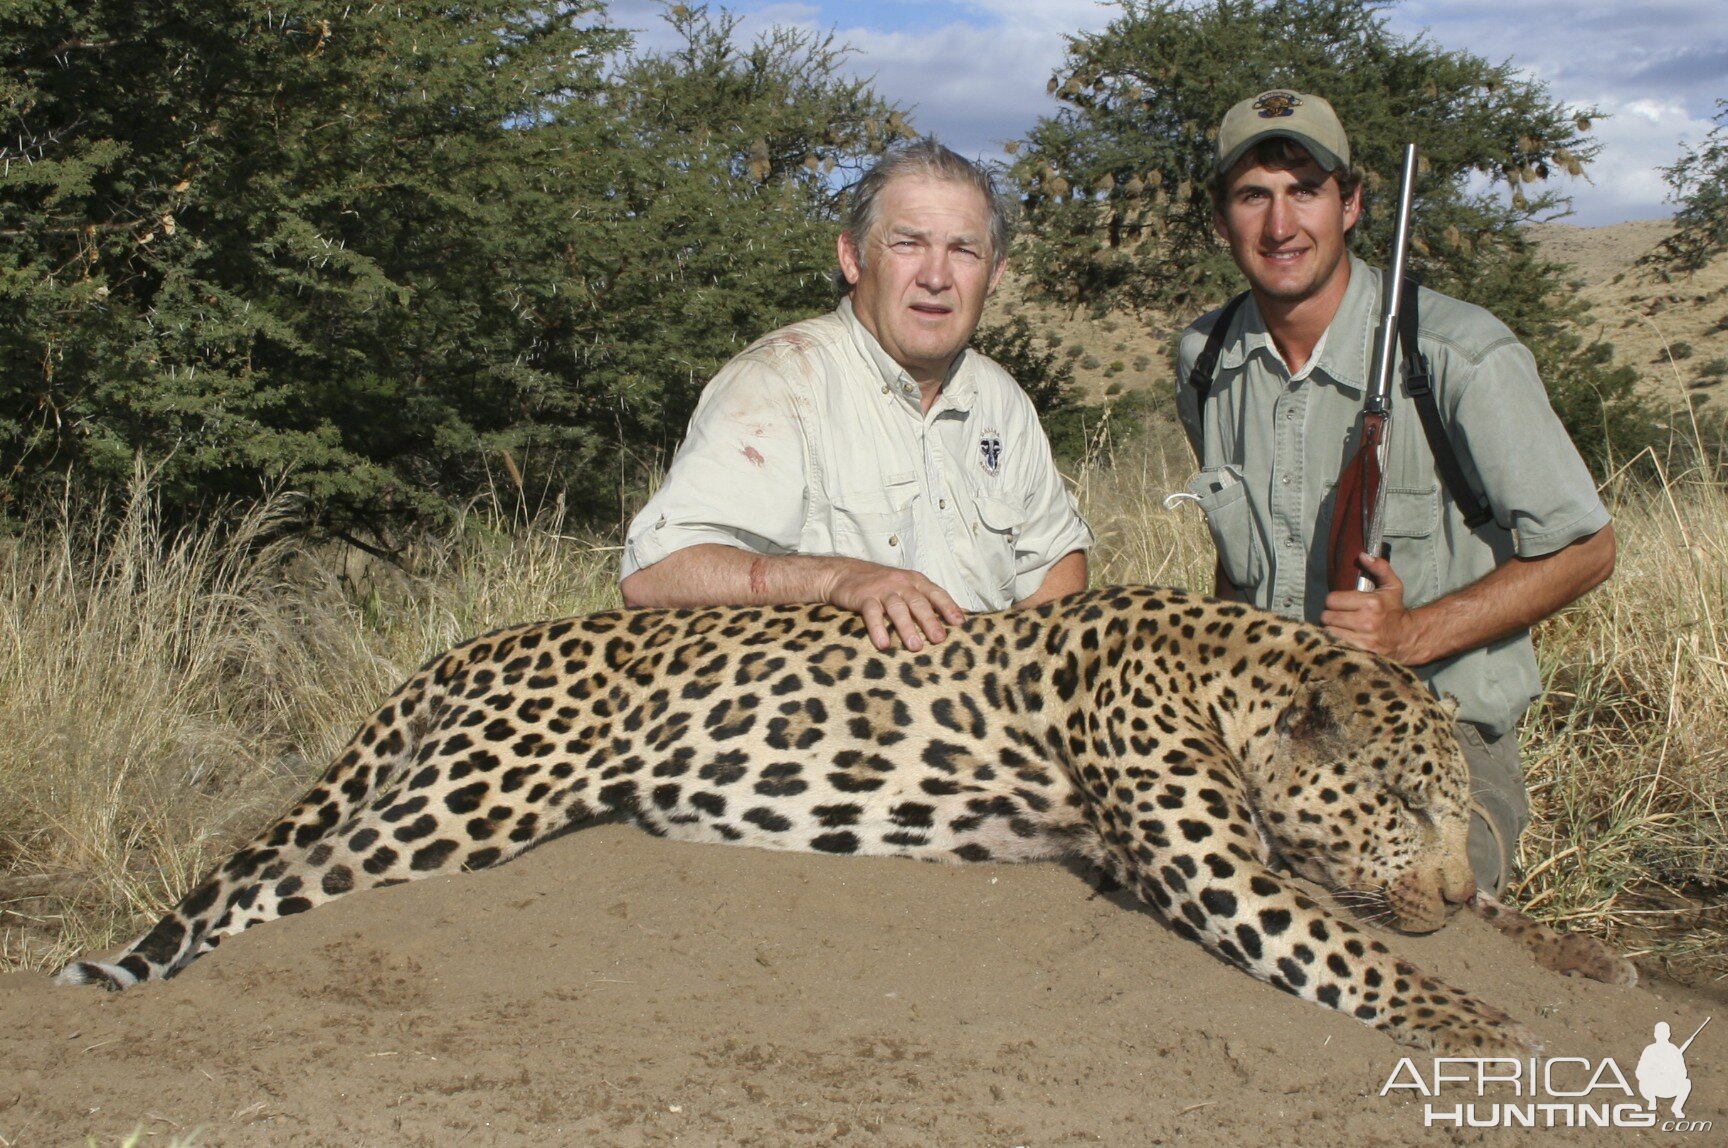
{"x": 1359, "y": 511}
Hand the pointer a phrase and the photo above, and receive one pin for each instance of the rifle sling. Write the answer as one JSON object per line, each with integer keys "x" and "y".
{"x": 1200, "y": 376}
{"x": 1418, "y": 384}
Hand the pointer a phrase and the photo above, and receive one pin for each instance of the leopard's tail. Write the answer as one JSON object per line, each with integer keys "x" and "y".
{"x": 288, "y": 868}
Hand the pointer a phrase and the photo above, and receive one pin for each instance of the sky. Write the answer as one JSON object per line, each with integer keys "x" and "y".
{"x": 973, "y": 72}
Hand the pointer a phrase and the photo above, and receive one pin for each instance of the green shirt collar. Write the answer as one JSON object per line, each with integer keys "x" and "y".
{"x": 1349, "y": 341}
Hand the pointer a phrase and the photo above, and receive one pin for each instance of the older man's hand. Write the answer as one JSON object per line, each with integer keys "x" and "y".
{"x": 894, "y": 602}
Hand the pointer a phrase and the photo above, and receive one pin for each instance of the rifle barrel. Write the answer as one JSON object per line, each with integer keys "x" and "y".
{"x": 1378, "y": 404}
{"x": 1384, "y": 364}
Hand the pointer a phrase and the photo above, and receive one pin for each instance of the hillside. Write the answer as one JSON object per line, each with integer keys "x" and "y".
{"x": 1674, "y": 333}
{"x": 1646, "y": 318}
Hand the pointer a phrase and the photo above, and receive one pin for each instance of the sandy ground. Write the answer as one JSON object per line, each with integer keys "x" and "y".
{"x": 612, "y": 989}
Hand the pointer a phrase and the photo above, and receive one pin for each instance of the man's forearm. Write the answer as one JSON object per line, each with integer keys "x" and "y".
{"x": 890, "y": 600}
{"x": 711, "y": 574}
{"x": 1513, "y": 597}
{"x": 1066, "y": 576}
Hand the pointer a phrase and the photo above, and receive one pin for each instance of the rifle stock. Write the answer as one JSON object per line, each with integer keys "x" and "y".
{"x": 1359, "y": 503}
{"x": 1361, "y": 484}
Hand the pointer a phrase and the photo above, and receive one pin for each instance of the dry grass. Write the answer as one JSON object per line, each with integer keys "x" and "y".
{"x": 162, "y": 696}
{"x": 1628, "y": 752}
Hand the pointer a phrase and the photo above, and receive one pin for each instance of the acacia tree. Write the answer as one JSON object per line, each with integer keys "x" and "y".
{"x": 1115, "y": 181}
{"x": 710, "y": 219}
{"x": 246, "y": 241}
{"x": 1698, "y": 183}
{"x": 393, "y": 251}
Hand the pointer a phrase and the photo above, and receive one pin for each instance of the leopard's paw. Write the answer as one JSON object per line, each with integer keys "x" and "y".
{"x": 1589, "y": 957}
{"x": 1459, "y": 1025}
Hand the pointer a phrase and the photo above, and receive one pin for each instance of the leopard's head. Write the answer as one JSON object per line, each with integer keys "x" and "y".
{"x": 1363, "y": 789}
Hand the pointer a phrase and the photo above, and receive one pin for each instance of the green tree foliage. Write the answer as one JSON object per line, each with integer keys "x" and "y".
{"x": 1047, "y": 378}
{"x": 1116, "y": 192}
{"x": 718, "y": 220}
{"x": 1699, "y": 185}
{"x": 392, "y": 251}
{"x": 245, "y": 241}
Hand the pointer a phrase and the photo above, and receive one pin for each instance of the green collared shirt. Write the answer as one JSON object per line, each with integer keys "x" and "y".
{"x": 814, "y": 441}
{"x": 1271, "y": 447}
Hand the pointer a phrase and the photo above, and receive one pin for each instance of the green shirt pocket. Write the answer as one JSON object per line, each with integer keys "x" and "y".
{"x": 1230, "y": 519}
{"x": 1412, "y": 513}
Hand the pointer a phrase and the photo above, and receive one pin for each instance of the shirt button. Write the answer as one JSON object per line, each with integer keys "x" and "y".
{"x": 942, "y": 504}
{"x": 893, "y": 540}
{"x": 1285, "y": 480}
{"x": 884, "y": 388}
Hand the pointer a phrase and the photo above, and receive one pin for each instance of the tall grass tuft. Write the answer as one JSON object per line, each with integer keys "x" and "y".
{"x": 1627, "y": 755}
{"x": 163, "y": 695}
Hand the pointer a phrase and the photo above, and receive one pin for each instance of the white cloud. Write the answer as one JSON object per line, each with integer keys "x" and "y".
{"x": 1653, "y": 68}
{"x": 1639, "y": 137}
{"x": 973, "y": 109}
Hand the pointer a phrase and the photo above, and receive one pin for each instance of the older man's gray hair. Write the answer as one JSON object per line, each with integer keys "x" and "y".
{"x": 924, "y": 158}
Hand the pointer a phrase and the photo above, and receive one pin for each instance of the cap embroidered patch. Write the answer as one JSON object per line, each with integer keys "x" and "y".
{"x": 1277, "y": 105}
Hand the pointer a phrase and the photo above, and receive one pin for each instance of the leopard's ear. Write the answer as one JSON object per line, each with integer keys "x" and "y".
{"x": 1449, "y": 706}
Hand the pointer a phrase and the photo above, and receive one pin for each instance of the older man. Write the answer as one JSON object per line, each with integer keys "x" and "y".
{"x": 867, "y": 458}
{"x": 1470, "y": 570}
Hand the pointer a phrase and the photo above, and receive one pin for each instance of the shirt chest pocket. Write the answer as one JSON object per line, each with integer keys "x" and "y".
{"x": 877, "y": 525}
{"x": 1230, "y": 519}
{"x": 1412, "y": 512}
{"x": 1411, "y": 529}
{"x": 997, "y": 539}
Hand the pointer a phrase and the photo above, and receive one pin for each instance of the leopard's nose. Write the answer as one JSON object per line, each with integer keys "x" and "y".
{"x": 1457, "y": 893}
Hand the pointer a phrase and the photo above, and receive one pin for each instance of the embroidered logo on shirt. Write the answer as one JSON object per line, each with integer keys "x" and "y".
{"x": 990, "y": 452}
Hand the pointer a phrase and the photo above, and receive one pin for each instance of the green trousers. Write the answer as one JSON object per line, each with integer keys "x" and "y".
{"x": 1499, "y": 805}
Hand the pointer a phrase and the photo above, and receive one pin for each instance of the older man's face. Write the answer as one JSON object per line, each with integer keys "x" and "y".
{"x": 920, "y": 284}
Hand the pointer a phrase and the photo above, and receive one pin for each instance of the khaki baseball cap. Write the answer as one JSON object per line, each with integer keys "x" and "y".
{"x": 1308, "y": 120}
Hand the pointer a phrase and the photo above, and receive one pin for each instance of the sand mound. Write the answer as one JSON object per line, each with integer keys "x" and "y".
{"x": 612, "y": 989}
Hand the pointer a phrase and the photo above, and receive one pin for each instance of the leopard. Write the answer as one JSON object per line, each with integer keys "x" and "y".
{"x": 1265, "y": 789}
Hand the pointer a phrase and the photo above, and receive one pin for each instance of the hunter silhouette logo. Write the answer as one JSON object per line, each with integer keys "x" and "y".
{"x": 1662, "y": 1070}
{"x": 1277, "y": 105}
